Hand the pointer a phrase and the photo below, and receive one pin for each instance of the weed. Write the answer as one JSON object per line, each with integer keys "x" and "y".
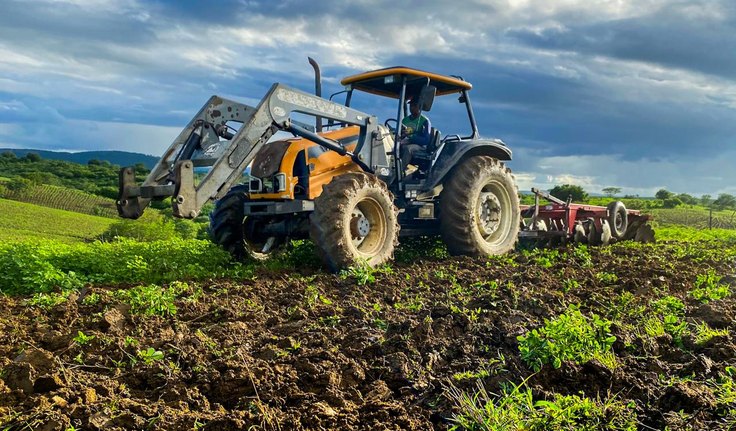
{"x": 570, "y": 284}
{"x": 570, "y": 336}
{"x": 708, "y": 288}
{"x": 92, "y": 299}
{"x": 48, "y": 300}
{"x": 669, "y": 311}
{"x": 582, "y": 256}
{"x": 82, "y": 339}
{"x": 150, "y": 300}
{"x": 516, "y": 409}
{"x": 704, "y": 333}
{"x": 364, "y": 274}
{"x": 607, "y": 278}
{"x": 150, "y": 355}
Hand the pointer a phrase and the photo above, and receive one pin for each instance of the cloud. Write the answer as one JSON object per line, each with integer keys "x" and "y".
{"x": 645, "y": 86}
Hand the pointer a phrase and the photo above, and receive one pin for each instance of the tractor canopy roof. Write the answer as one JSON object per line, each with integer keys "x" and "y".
{"x": 387, "y": 82}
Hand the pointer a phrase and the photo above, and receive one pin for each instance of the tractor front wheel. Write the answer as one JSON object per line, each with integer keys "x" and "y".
{"x": 240, "y": 236}
{"x": 354, "y": 221}
{"x": 479, "y": 208}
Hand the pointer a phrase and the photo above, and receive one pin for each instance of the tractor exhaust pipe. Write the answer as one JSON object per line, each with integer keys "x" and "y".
{"x": 317, "y": 89}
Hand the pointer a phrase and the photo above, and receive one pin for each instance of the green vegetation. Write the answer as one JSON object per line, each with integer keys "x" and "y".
{"x": 22, "y": 221}
{"x": 83, "y": 339}
{"x": 96, "y": 177}
{"x": 62, "y": 198}
{"x": 569, "y": 337}
{"x": 43, "y": 265}
{"x": 708, "y": 288}
{"x": 515, "y": 408}
{"x": 151, "y": 299}
{"x": 150, "y": 355}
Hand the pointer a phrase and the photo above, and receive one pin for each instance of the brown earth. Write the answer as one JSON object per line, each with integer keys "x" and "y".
{"x": 316, "y": 351}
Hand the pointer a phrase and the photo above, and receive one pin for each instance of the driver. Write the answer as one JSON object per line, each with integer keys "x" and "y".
{"x": 415, "y": 133}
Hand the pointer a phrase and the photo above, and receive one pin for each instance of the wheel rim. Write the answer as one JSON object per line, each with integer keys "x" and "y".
{"x": 493, "y": 213}
{"x": 618, "y": 222}
{"x": 367, "y": 227}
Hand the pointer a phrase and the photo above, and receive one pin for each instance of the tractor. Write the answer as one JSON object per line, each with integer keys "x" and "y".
{"x": 338, "y": 180}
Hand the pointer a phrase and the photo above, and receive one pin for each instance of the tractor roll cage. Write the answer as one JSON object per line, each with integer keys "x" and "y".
{"x": 401, "y": 82}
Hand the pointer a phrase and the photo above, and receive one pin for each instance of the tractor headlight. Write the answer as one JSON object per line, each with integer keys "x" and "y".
{"x": 255, "y": 185}
{"x": 279, "y": 182}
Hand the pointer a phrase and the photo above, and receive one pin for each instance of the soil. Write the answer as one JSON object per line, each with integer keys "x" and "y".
{"x": 317, "y": 351}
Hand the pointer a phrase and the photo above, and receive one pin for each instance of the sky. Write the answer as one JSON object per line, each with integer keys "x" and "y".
{"x": 635, "y": 94}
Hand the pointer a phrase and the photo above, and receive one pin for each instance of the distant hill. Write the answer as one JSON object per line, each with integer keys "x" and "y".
{"x": 120, "y": 158}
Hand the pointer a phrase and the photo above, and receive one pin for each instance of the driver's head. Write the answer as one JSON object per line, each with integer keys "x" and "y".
{"x": 414, "y": 107}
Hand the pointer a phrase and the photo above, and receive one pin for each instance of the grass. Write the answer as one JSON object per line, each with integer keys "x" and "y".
{"x": 516, "y": 408}
{"x": 23, "y": 221}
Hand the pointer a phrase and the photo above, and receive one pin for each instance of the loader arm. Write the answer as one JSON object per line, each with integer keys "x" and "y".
{"x": 208, "y": 142}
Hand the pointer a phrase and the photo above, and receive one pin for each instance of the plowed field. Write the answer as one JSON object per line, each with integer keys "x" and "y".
{"x": 377, "y": 351}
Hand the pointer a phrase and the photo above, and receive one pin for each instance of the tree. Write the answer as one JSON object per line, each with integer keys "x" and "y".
{"x": 671, "y": 202}
{"x": 687, "y": 199}
{"x": 724, "y": 201}
{"x": 663, "y": 194}
{"x": 33, "y": 157}
{"x": 8, "y": 155}
{"x": 611, "y": 191}
{"x": 706, "y": 200}
{"x": 576, "y": 192}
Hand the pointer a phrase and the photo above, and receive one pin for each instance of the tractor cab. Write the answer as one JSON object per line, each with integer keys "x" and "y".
{"x": 405, "y": 84}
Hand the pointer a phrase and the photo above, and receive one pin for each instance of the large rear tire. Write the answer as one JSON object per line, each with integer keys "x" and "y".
{"x": 354, "y": 221}
{"x": 479, "y": 208}
{"x": 231, "y": 230}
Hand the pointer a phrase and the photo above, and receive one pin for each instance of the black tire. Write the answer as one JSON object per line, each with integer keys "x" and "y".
{"x": 231, "y": 230}
{"x": 352, "y": 205}
{"x": 467, "y": 225}
{"x": 618, "y": 219}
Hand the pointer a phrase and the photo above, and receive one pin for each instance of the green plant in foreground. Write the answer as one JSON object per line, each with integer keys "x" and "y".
{"x": 48, "y": 300}
{"x": 152, "y": 300}
{"x": 704, "y": 333}
{"x": 606, "y": 277}
{"x": 668, "y": 312}
{"x": 364, "y": 274}
{"x": 516, "y": 409}
{"x": 83, "y": 339}
{"x": 150, "y": 355}
{"x": 708, "y": 288}
{"x": 569, "y": 337}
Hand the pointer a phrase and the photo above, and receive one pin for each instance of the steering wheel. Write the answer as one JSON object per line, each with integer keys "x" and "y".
{"x": 391, "y": 120}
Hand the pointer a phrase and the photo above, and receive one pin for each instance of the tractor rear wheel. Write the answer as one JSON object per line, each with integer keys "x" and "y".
{"x": 354, "y": 221}
{"x": 479, "y": 208}
{"x": 231, "y": 230}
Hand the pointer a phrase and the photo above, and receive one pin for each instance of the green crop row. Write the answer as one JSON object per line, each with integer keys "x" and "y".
{"x": 40, "y": 266}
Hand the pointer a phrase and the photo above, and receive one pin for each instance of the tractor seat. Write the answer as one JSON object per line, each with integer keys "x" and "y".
{"x": 423, "y": 159}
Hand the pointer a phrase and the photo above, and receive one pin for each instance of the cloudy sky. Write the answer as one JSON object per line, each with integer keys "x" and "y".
{"x": 638, "y": 94}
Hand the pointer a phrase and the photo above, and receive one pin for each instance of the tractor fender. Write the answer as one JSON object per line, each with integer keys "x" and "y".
{"x": 453, "y": 152}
